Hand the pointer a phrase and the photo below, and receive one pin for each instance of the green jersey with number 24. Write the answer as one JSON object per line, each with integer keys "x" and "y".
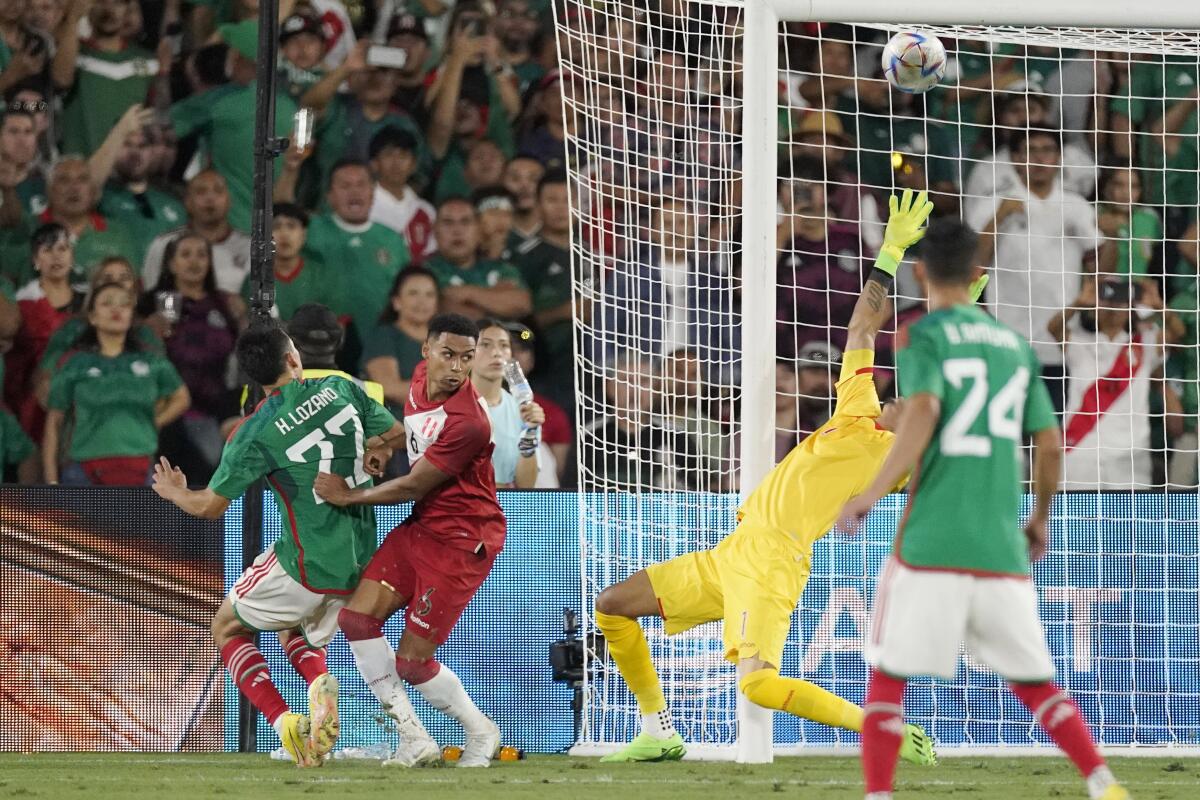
{"x": 306, "y": 427}
{"x": 965, "y": 497}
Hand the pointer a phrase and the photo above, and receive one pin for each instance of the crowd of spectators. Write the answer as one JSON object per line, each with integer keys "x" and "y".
{"x": 435, "y": 180}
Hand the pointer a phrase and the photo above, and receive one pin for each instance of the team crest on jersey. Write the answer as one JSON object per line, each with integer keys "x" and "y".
{"x": 382, "y": 256}
{"x": 140, "y": 368}
{"x": 423, "y": 430}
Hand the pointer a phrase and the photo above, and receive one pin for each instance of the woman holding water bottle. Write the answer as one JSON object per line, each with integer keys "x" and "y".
{"x": 516, "y": 418}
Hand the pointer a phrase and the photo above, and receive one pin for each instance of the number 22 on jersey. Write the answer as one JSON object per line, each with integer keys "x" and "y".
{"x": 326, "y": 448}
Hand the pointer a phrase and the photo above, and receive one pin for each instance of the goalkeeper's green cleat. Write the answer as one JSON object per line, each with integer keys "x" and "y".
{"x": 648, "y": 748}
{"x": 916, "y": 747}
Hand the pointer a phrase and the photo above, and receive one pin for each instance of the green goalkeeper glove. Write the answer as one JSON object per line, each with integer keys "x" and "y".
{"x": 904, "y": 228}
{"x": 977, "y": 287}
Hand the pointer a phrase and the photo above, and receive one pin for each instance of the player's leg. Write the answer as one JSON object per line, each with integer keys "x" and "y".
{"x": 917, "y": 625}
{"x": 233, "y": 631}
{"x": 308, "y": 661}
{"x": 306, "y": 652}
{"x": 447, "y": 579}
{"x": 1005, "y": 632}
{"x": 684, "y": 591}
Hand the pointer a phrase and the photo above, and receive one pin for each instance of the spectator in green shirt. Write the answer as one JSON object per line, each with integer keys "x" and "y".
{"x": 392, "y": 349}
{"x": 1133, "y": 231}
{"x": 118, "y": 396}
{"x": 1185, "y": 359}
{"x": 518, "y": 27}
{"x": 361, "y": 257}
{"x": 72, "y": 203}
{"x": 102, "y": 76}
{"x": 299, "y": 276}
{"x": 19, "y": 159}
{"x": 470, "y": 286}
{"x": 22, "y": 50}
{"x": 301, "y": 51}
{"x": 223, "y": 118}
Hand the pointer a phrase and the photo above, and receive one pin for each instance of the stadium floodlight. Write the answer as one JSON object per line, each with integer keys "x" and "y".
{"x": 681, "y": 121}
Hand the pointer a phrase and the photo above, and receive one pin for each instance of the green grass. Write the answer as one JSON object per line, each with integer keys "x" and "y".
{"x": 183, "y": 777}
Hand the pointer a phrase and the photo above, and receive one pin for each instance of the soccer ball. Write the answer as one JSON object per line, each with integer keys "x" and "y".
{"x": 914, "y": 62}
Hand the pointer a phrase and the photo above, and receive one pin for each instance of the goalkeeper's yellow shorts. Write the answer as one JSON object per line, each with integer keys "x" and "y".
{"x": 752, "y": 580}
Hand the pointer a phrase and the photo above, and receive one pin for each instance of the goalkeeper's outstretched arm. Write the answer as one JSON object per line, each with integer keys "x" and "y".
{"x": 904, "y": 228}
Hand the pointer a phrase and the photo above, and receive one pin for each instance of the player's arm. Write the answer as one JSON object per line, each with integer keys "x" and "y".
{"x": 171, "y": 484}
{"x": 420, "y": 481}
{"x": 918, "y": 420}
{"x": 1047, "y": 469}
{"x": 906, "y": 218}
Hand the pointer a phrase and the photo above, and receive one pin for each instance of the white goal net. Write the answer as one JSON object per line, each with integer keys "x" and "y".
{"x": 1074, "y": 151}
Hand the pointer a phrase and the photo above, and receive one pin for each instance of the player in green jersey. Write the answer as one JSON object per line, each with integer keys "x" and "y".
{"x": 959, "y": 570}
{"x": 298, "y": 586}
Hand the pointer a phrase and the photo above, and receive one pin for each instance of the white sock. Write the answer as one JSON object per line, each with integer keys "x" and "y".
{"x": 1100, "y": 779}
{"x": 658, "y": 725}
{"x": 278, "y": 725}
{"x": 879, "y": 796}
{"x": 377, "y": 664}
{"x": 445, "y": 692}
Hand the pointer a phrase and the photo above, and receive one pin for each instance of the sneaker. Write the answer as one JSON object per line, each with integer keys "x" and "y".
{"x": 917, "y": 747}
{"x": 294, "y": 734}
{"x": 323, "y": 714}
{"x": 1115, "y": 792}
{"x": 416, "y": 752}
{"x": 648, "y": 748}
{"x": 481, "y": 746}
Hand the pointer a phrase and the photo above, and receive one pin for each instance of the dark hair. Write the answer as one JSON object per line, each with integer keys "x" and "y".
{"x": 1108, "y": 174}
{"x": 454, "y": 324}
{"x": 315, "y": 331}
{"x": 89, "y": 339}
{"x": 291, "y": 210}
{"x": 805, "y": 168}
{"x": 948, "y": 251}
{"x": 346, "y": 163}
{"x": 492, "y": 322}
{"x": 16, "y": 110}
{"x": 166, "y": 278}
{"x": 551, "y": 178}
{"x": 454, "y": 198}
{"x": 1021, "y": 136}
{"x": 47, "y": 236}
{"x": 261, "y": 352}
{"x": 389, "y": 315}
{"x": 391, "y": 136}
{"x": 209, "y": 62}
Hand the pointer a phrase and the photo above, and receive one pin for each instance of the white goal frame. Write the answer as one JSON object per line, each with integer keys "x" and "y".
{"x": 761, "y": 21}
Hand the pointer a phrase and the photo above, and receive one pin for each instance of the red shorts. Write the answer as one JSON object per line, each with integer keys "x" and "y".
{"x": 434, "y": 580}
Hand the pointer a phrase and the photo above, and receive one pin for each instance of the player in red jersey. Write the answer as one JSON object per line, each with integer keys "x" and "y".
{"x": 435, "y": 561}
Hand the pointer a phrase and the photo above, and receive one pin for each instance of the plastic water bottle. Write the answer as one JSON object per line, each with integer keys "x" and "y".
{"x": 522, "y": 392}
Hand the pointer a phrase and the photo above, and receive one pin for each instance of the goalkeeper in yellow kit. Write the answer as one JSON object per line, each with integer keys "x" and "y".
{"x": 753, "y": 579}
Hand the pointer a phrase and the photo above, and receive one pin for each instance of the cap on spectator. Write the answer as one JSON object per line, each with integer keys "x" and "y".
{"x": 407, "y": 25}
{"x": 521, "y": 334}
{"x": 817, "y": 122}
{"x": 292, "y": 211}
{"x": 391, "y": 136}
{"x": 493, "y": 198}
{"x": 242, "y": 37}
{"x": 818, "y": 354}
{"x": 297, "y": 24}
{"x": 1114, "y": 291}
{"x": 315, "y": 330}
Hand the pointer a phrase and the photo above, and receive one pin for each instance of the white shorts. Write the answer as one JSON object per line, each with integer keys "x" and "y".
{"x": 923, "y": 617}
{"x": 266, "y": 598}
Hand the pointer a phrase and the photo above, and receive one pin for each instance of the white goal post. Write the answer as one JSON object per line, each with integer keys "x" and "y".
{"x": 652, "y": 514}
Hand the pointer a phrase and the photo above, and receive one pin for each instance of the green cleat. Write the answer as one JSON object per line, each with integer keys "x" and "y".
{"x": 916, "y": 747}
{"x": 648, "y": 748}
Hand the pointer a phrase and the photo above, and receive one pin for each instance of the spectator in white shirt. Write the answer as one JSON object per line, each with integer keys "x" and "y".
{"x": 997, "y": 174}
{"x": 1113, "y": 351}
{"x": 393, "y": 154}
{"x": 1040, "y": 238}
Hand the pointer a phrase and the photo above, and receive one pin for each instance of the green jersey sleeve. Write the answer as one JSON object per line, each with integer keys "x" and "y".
{"x": 192, "y": 114}
{"x": 1039, "y": 408}
{"x": 377, "y": 420}
{"x": 918, "y": 366}
{"x": 166, "y": 377}
{"x": 15, "y": 446}
{"x": 507, "y": 273}
{"x": 61, "y": 391}
{"x": 242, "y": 463}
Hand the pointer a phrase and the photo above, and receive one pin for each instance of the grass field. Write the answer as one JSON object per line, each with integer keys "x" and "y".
{"x": 184, "y": 777}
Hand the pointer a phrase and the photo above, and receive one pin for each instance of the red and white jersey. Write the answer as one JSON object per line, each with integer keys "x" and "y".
{"x": 409, "y": 216}
{"x": 1106, "y": 428}
{"x": 455, "y": 435}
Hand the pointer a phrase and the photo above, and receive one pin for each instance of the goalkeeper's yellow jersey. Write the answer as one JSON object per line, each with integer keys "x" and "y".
{"x": 804, "y": 493}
